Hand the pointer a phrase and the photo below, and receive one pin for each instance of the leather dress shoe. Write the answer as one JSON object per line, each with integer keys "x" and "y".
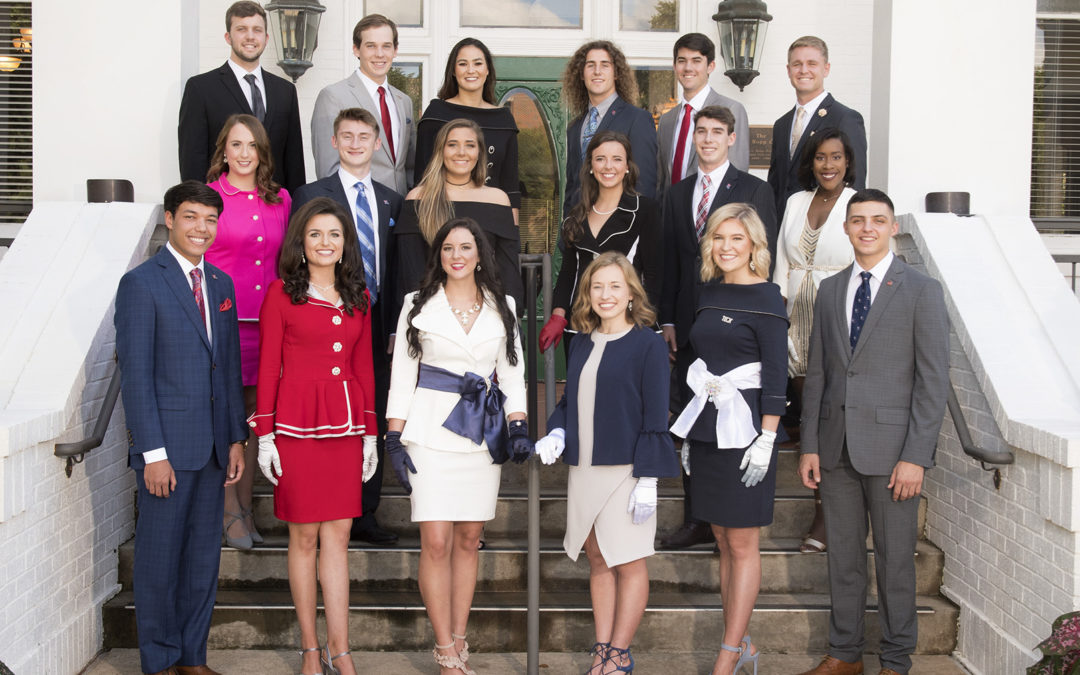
{"x": 688, "y": 535}
{"x": 373, "y": 534}
{"x": 830, "y": 665}
{"x": 196, "y": 670}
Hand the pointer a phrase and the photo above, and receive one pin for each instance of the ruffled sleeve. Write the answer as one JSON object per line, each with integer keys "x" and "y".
{"x": 654, "y": 452}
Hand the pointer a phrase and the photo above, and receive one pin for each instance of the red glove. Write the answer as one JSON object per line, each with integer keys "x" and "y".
{"x": 552, "y": 332}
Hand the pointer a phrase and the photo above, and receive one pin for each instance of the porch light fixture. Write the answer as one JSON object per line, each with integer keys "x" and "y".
{"x": 295, "y": 24}
{"x": 742, "y": 24}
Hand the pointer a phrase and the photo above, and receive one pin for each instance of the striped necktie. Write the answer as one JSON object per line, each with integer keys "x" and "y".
{"x": 703, "y": 206}
{"x": 365, "y": 232}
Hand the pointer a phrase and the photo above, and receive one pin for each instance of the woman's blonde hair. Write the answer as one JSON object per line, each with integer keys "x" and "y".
{"x": 435, "y": 207}
{"x": 747, "y": 216}
{"x": 639, "y": 312}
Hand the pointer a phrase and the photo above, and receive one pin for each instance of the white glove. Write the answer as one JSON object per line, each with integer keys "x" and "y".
{"x": 371, "y": 457}
{"x": 684, "y": 454}
{"x": 757, "y": 458}
{"x": 643, "y": 500}
{"x": 551, "y": 447}
{"x": 269, "y": 457}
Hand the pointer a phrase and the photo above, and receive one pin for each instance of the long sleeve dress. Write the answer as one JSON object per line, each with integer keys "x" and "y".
{"x": 613, "y": 439}
{"x": 737, "y": 325}
{"x": 316, "y": 392}
{"x": 249, "y": 236}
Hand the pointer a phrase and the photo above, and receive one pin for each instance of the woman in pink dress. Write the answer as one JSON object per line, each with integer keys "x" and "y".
{"x": 250, "y": 231}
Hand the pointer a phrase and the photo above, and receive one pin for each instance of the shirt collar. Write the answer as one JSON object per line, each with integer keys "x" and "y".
{"x": 877, "y": 271}
{"x": 812, "y": 105}
{"x": 240, "y": 73}
{"x": 698, "y": 102}
{"x": 371, "y": 85}
{"x": 185, "y": 264}
{"x": 348, "y": 181}
{"x": 717, "y": 174}
{"x": 605, "y": 105}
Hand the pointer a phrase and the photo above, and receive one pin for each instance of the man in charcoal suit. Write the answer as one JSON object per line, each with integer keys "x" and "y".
{"x": 873, "y": 402}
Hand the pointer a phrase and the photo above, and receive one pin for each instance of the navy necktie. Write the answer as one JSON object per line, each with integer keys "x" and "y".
{"x": 860, "y": 308}
{"x": 365, "y": 232}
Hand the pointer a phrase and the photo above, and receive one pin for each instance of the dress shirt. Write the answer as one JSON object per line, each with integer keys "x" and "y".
{"x": 348, "y": 181}
{"x": 158, "y": 454}
{"x": 696, "y": 103}
{"x": 240, "y": 74}
{"x": 877, "y": 274}
{"x": 373, "y": 90}
{"x": 601, "y": 108}
{"x": 810, "y": 107}
{"x": 717, "y": 177}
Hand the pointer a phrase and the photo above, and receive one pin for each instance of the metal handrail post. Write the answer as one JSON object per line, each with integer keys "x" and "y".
{"x": 532, "y": 622}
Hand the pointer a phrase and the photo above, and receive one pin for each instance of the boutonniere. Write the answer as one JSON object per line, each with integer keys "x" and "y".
{"x": 822, "y": 112}
{"x": 225, "y": 306}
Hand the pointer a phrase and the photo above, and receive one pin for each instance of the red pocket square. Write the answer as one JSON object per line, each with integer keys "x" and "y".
{"x": 225, "y": 306}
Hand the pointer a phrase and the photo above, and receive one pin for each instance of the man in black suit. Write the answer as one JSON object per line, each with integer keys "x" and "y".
{"x": 599, "y": 88}
{"x": 356, "y": 139}
{"x": 241, "y": 86}
{"x": 815, "y": 109}
{"x": 686, "y": 209}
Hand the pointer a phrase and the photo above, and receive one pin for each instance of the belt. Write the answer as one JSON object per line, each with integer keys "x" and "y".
{"x": 478, "y": 416}
{"x": 734, "y": 420}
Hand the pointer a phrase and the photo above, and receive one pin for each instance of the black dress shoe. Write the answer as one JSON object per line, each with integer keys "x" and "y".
{"x": 373, "y": 534}
{"x": 688, "y": 535}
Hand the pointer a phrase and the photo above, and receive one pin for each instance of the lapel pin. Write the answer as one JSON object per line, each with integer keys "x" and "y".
{"x": 213, "y": 276}
{"x": 726, "y": 319}
{"x": 889, "y": 282}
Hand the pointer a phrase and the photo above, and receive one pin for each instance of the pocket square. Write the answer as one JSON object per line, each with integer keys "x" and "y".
{"x": 225, "y": 306}
{"x": 392, "y": 223}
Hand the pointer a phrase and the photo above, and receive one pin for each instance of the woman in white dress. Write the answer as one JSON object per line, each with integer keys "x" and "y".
{"x": 457, "y": 371}
{"x": 812, "y": 246}
{"x": 617, "y": 446}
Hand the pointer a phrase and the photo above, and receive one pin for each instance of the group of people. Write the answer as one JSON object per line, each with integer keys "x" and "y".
{"x": 314, "y": 330}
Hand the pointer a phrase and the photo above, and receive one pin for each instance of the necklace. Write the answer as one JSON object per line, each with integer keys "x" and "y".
{"x": 825, "y": 200}
{"x": 468, "y": 182}
{"x": 465, "y": 316}
{"x": 322, "y": 289}
{"x": 604, "y": 213}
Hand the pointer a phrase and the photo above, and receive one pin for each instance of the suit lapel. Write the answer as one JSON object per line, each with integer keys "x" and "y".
{"x": 813, "y": 124}
{"x": 228, "y": 80}
{"x": 404, "y": 108}
{"x": 725, "y": 189}
{"x": 270, "y": 85}
{"x": 364, "y": 100}
{"x": 178, "y": 284}
{"x": 885, "y": 293}
{"x": 382, "y": 199}
{"x": 214, "y": 299}
{"x": 843, "y": 330}
{"x": 616, "y": 107}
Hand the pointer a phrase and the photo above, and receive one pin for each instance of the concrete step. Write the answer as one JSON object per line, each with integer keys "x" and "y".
{"x": 503, "y": 567}
{"x": 673, "y": 622}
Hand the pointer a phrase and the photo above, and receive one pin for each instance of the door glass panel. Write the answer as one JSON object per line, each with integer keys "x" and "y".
{"x": 651, "y": 15}
{"x": 656, "y": 89}
{"x": 405, "y": 13}
{"x": 538, "y": 173}
{"x": 409, "y": 78}
{"x": 521, "y": 13}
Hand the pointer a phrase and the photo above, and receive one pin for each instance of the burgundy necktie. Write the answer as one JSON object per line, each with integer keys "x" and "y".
{"x": 196, "y": 288}
{"x": 703, "y": 206}
{"x": 387, "y": 127}
{"x": 680, "y": 145}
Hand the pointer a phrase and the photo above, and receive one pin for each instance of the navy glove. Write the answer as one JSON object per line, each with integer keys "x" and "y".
{"x": 521, "y": 448}
{"x": 399, "y": 459}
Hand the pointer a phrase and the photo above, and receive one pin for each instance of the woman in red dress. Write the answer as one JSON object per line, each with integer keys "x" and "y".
{"x": 316, "y": 399}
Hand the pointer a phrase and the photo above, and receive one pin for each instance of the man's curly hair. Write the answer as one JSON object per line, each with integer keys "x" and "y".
{"x": 574, "y": 91}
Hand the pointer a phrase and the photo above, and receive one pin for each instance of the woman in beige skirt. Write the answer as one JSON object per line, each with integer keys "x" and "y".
{"x": 617, "y": 446}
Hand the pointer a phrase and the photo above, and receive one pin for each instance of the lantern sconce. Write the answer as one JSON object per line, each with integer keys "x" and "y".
{"x": 295, "y": 24}
{"x": 742, "y": 25}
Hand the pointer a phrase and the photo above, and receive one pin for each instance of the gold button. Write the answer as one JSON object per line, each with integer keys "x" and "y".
{"x": 251, "y": 197}
{"x": 258, "y": 239}
{"x": 258, "y": 287}
{"x": 337, "y": 346}
{"x": 335, "y": 371}
{"x": 255, "y": 217}
{"x": 336, "y": 320}
{"x": 258, "y": 262}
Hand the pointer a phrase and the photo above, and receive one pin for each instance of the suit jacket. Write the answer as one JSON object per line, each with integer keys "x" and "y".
{"x": 669, "y": 132}
{"x": 180, "y": 392}
{"x": 210, "y": 98}
{"x": 351, "y": 93}
{"x": 784, "y": 169}
{"x": 682, "y": 255}
{"x": 638, "y": 125}
{"x": 482, "y": 351}
{"x": 885, "y": 400}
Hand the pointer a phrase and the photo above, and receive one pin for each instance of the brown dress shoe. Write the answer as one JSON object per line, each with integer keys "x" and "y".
{"x": 831, "y": 665}
{"x": 888, "y": 671}
{"x": 196, "y": 670}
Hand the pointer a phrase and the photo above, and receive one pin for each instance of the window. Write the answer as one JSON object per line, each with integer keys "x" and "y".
{"x": 409, "y": 78}
{"x": 649, "y": 15}
{"x": 656, "y": 89}
{"x": 521, "y": 13}
{"x": 1055, "y": 161}
{"x": 405, "y": 13}
{"x": 16, "y": 130}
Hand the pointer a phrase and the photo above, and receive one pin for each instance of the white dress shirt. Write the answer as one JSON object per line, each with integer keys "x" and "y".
{"x": 394, "y": 132}
{"x": 240, "y": 74}
{"x": 716, "y": 176}
{"x": 349, "y": 181}
{"x": 696, "y": 104}
{"x": 158, "y": 454}
{"x": 855, "y": 280}
{"x": 810, "y": 107}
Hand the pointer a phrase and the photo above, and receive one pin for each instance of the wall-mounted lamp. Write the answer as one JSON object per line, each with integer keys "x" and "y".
{"x": 296, "y": 33}
{"x": 742, "y": 25}
{"x": 24, "y": 42}
{"x": 9, "y": 64}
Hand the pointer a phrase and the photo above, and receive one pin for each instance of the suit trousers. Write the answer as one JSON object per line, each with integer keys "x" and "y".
{"x": 847, "y": 497}
{"x": 372, "y": 492}
{"x": 177, "y": 552}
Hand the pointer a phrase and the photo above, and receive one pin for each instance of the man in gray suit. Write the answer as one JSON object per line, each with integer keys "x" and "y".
{"x": 375, "y": 44}
{"x": 873, "y": 402}
{"x": 695, "y": 59}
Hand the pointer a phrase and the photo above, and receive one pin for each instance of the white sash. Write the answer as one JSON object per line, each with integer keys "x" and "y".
{"x": 734, "y": 421}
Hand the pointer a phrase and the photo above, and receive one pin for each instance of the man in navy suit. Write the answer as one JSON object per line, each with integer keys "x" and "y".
{"x": 686, "y": 209}
{"x": 356, "y": 139}
{"x": 241, "y": 86}
{"x": 599, "y": 87}
{"x": 815, "y": 109}
{"x": 179, "y": 352}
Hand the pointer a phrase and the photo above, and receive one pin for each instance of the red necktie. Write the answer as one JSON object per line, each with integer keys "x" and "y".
{"x": 196, "y": 289}
{"x": 680, "y": 145}
{"x": 387, "y": 127}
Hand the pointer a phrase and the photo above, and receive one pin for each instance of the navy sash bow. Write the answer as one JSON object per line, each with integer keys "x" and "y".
{"x": 478, "y": 416}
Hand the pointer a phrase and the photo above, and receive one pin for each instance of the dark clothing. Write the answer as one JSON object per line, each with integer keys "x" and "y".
{"x": 630, "y": 418}
{"x": 717, "y": 493}
{"x": 500, "y": 143}
{"x": 634, "y": 230}
{"x": 210, "y": 98}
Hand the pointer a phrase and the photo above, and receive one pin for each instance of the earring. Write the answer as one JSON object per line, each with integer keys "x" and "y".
{"x": 630, "y": 306}
{"x": 752, "y": 265}
{"x": 590, "y": 172}
{"x": 478, "y": 267}
{"x": 340, "y": 259}
{"x": 303, "y": 258}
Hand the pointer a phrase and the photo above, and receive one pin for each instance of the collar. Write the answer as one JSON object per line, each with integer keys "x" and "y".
{"x": 185, "y": 264}
{"x": 877, "y": 271}
{"x": 372, "y": 86}
{"x": 603, "y": 107}
{"x": 812, "y": 105}
{"x": 698, "y": 102}
{"x": 229, "y": 189}
{"x": 240, "y": 73}
{"x": 717, "y": 174}
{"x": 348, "y": 181}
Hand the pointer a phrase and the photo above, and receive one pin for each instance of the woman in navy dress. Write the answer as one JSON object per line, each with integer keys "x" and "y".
{"x": 617, "y": 446}
{"x": 739, "y": 382}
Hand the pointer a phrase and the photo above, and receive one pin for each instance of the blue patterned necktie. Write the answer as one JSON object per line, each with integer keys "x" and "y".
{"x": 365, "y": 232}
{"x": 590, "y": 129}
{"x": 860, "y": 308}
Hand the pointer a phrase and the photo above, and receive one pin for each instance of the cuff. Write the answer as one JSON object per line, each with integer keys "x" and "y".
{"x": 155, "y": 455}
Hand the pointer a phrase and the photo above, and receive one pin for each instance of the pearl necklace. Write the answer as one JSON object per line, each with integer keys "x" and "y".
{"x": 604, "y": 213}
{"x": 465, "y": 316}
